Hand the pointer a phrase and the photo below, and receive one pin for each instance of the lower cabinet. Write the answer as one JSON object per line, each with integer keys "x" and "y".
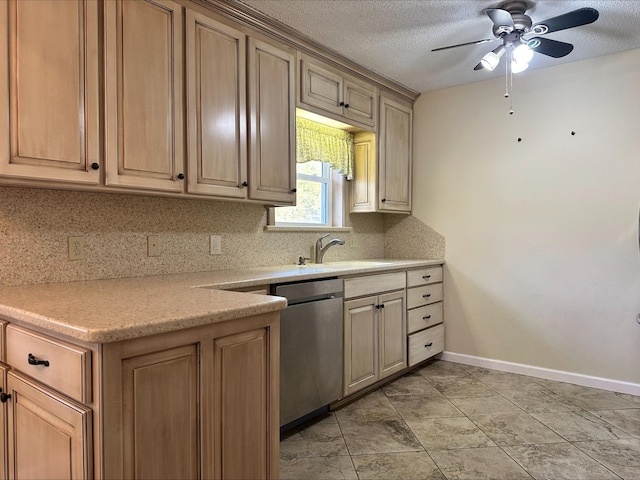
{"x": 374, "y": 334}
{"x": 200, "y": 403}
{"x": 49, "y": 435}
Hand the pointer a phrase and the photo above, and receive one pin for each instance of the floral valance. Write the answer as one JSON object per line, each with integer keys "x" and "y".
{"x": 315, "y": 141}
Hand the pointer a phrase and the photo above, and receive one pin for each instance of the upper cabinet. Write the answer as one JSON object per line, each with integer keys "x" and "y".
{"x": 272, "y": 173}
{"x": 216, "y": 108}
{"x": 49, "y": 98}
{"x": 327, "y": 90}
{"x": 143, "y": 91}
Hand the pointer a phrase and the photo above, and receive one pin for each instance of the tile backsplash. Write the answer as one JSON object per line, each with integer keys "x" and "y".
{"x": 35, "y": 224}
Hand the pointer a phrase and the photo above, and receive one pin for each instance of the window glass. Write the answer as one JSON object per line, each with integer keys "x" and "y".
{"x": 313, "y": 197}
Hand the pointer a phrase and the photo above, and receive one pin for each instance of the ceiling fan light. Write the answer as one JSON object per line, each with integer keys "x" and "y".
{"x": 522, "y": 53}
{"x": 517, "y": 67}
{"x": 491, "y": 60}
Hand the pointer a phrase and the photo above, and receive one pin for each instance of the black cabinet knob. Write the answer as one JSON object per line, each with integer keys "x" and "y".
{"x": 383, "y": 200}
{"x": 95, "y": 166}
{"x": 342, "y": 104}
{"x": 181, "y": 176}
{"x": 245, "y": 184}
{"x": 346, "y": 105}
{"x": 4, "y": 397}
{"x": 294, "y": 190}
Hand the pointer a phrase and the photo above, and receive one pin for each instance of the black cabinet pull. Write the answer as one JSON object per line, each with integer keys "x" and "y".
{"x": 95, "y": 166}
{"x": 294, "y": 190}
{"x": 427, "y": 317}
{"x": 34, "y": 361}
{"x": 342, "y": 104}
{"x": 245, "y": 184}
{"x": 383, "y": 200}
{"x": 427, "y": 295}
{"x": 346, "y": 105}
{"x": 181, "y": 176}
{"x": 4, "y": 397}
{"x": 382, "y": 305}
{"x": 426, "y": 277}
{"x": 428, "y": 345}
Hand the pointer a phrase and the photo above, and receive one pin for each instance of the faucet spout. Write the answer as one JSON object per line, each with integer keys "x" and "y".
{"x": 321, "y": 250}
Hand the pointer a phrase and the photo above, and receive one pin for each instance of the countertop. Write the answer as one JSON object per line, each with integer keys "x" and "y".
{"x": 103, "y": 311}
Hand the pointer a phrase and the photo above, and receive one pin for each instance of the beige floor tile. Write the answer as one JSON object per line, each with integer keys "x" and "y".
{"x": 387, "y": 436}
{"x": 411, "y": 384}
{"x": 458, "y": 387}
{"x": 508, "y": 381}
{"x": 397, "y": 466}
{"x": 580, "y": 426}
{"x": 445, "y": 433}
{"x": 442, "y": 370}
{"x": 492, "y": 404}
{"x": 318, "y": 468}
{"x": 319, "y": 440}
{"x": 558, "y": 461}
{"x": 539, "y": 400}
{"x": 478, "y": 464}
{"x": 590, "y": 398}
{"x": 620, "y": 456}
{"x": 515, "y": 429}
{"x": 412, "y": 407}
{"x": 374, "y": 407}
{"x": 627, "y": 420}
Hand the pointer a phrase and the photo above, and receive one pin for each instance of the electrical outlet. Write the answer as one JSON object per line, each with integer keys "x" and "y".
{"x": 153, "y": 246}
{"x": 215, "y": 245}
{"x": 354, "y": 242}
{"x": 76, "y": 248}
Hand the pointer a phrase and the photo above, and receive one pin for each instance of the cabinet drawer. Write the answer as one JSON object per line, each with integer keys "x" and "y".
{"x": 424, "y": 317}
{"x": 373, "y": 284}
{"x": 426, "y": 344}
{"x": 418, "y": 296}
{"x": 424, "y": 276}
{"x": 69, "y": 368}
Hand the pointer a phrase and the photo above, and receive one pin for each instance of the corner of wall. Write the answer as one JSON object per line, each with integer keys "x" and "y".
{"x": 408, "y": 237}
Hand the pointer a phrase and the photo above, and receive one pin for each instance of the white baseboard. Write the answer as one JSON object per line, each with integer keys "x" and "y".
{"x": 546, "y": 373}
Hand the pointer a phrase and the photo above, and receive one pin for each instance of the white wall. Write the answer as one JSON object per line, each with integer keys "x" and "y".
{"x": 542, "y": 254}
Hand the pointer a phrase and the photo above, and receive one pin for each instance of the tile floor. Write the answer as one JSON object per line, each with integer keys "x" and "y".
{"x": 452, "y": 421}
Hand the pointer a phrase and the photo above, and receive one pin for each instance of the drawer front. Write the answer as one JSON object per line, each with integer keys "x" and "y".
{"x": 424, "y": 276}
{"x": 373, "y": 284}
{"x": 419, "y": 296}
{"x": 424, "y": 317}
{"x": 425, "y": 344}
{"x": 69, "y": 366}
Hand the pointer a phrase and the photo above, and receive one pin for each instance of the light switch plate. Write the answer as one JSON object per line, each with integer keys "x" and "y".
{"x": 215, "y": 245}
{"x": 153, "y": 246}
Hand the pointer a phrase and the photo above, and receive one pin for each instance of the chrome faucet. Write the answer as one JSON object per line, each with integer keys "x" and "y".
{"x": 320, "y": 250}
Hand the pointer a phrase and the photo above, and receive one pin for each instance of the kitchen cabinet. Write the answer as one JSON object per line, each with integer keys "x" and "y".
{"x": 324, "y": 89}
{"x": 143, "y": 50}
{"x": 272, "y": 134}
{"x": 424, "y": 314}
{"x": 382, "y": 163}
{"x": 49, "y": 92}
{"x": 3, "y": 423}
{"x": 216, "y": 107}
{"x": 374, "y": 329}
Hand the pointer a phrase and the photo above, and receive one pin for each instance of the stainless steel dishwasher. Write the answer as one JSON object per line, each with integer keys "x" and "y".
{"x": 310, "y": 349}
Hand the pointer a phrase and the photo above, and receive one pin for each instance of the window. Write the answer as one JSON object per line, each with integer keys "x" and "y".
{"x": 313, "y": 197}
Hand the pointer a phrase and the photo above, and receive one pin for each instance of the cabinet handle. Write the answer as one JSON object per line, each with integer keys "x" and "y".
{"x": 427, "y": 317}
{"x": 426, "y": 277}
{"x": 382, "y": 305}
{"x": 427, "y": 295}
{"x": 346, "y": 105}
{"x": 428, "y": 345}
{"x": 341, "y": 104}
{"x": 245, "y": 184}
{"x": 383, "y": 200}
{"x": 95, "y": 166}
{"x": 34, "y": 361}
{"x": 181, "y": 176}
{"x": 4, "y": 397}
{"x": 294, "y": 190}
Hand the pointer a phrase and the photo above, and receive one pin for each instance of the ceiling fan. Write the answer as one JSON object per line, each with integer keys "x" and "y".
{"x": 513, "y": 27}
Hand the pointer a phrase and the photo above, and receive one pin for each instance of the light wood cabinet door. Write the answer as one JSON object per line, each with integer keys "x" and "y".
{"x": 320, "y": 87}
{"x": 272, "y": 156}
{"x": 241, "y": 406}
{"x": 393, "y": 333}
{"x": 364, "y": 183}
{"x": 143, "y": 94}
{"x": 216, "y": 107}
{"x": 49, "y": 435}
{"x": 49, "y": 98}
{"x": 394, "y": 156}
{"x": 360, "y": 102}
{"x": 360, "y": 344}
{"x": 3, "y": 425}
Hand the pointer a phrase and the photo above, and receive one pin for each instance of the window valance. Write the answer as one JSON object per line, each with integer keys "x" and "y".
{"x": 315, "y": 141}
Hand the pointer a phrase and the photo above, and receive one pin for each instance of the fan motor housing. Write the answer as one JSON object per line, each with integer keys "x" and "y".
{"x": 521, "y": 21}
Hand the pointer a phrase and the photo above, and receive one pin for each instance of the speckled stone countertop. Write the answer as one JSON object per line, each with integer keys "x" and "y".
{"x": 103, "y": 311}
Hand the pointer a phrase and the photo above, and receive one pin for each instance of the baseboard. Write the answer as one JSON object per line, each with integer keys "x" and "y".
{"x": 546, "y": 373}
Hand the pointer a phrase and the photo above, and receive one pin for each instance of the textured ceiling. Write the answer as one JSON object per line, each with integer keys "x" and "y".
{"x": 395, "y": 37}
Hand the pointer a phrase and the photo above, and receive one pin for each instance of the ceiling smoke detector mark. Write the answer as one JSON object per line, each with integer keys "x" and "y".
{"x": 153, "y": 246}
{"x": 215, "y": 245}
{"x": 76, "y": 248}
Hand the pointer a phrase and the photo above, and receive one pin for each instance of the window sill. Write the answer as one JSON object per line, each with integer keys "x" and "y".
{"x": 278, "y": 228}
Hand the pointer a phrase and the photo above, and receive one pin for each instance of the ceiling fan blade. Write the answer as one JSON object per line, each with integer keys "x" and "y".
{"x": 576, "y": 18}
{"x": 500, "y": 18}
{"x": 549, "y": 47}
{"x": 464, "y": 44}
